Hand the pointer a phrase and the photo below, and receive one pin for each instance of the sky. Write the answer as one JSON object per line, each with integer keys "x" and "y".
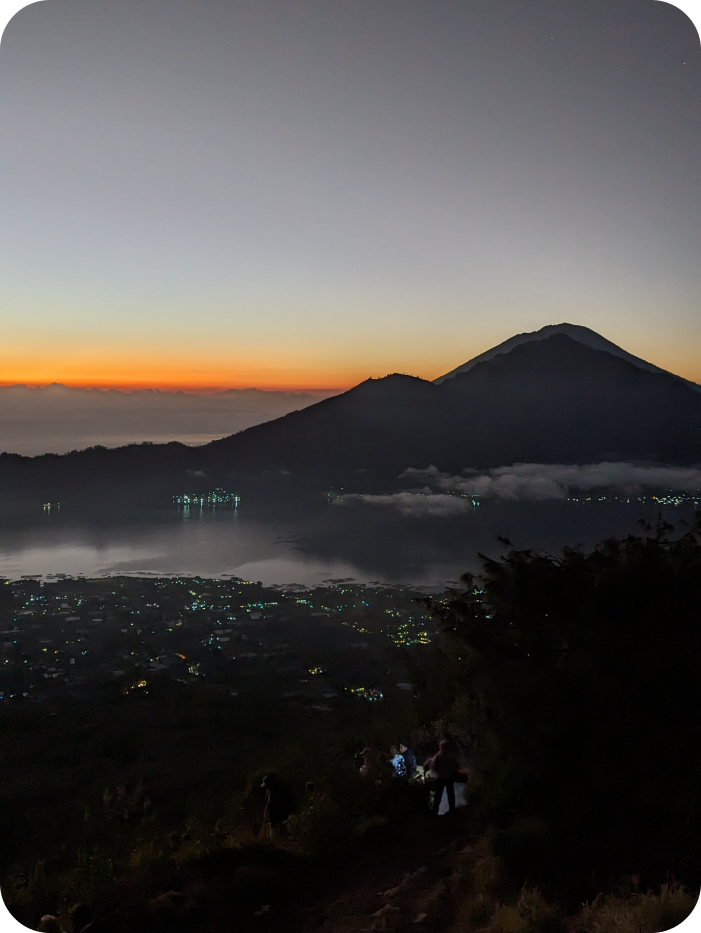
{"x": 302, "y": 195}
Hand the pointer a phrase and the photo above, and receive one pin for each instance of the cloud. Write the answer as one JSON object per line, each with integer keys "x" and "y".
{"x": 56, "y": 418}
{"x": 538, "y": 481}
{"x": 444, "y": 496}
{"x": 418, "y": 504}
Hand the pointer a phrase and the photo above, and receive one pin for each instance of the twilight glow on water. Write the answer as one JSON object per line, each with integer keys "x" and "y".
{"x": 363, "y": 543}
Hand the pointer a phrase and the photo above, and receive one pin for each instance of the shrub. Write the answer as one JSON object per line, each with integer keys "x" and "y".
{"x": 637, "y": 913}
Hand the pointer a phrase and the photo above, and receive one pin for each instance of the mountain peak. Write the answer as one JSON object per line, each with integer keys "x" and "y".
{"x": 574, "y": 331}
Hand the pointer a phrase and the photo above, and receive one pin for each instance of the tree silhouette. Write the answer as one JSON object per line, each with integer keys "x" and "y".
{"x": 578, "y": 677}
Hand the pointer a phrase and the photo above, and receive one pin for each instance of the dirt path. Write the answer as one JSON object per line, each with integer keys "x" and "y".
{"x": 410, "y": 883}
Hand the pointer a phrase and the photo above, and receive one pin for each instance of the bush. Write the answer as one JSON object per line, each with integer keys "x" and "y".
{"x": 637, "y": 913}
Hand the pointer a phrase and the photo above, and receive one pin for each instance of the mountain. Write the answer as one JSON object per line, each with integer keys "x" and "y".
{"x": 557, "y": 400}
{"x": 576, "y": 332}
{"x": 554, "y": 399}
{"x": 380, "y": 426}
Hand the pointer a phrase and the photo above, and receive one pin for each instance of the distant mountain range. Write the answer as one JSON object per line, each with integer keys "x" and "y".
{"x": 561, "y": 395}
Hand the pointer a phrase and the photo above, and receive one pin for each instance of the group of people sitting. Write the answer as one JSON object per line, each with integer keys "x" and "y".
{"x": 439, "y": 773}
{"x": 379, "y": 767}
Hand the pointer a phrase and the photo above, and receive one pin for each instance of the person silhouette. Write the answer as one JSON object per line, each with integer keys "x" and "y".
{"x": 409, "y": 759}
{"x": 445, "y": 766}
{"x": 50, "y": 924}
{"x": 278, "y": 804}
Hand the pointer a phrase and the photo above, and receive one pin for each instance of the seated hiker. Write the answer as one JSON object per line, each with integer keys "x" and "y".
{"x": 49, "y": 924}
{"x": 369, "y": 762}
{"x": 397, "y": 762}
{"x": 409, "y": 759}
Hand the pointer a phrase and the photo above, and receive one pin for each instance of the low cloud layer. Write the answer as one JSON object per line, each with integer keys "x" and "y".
{"x": 55, "y": 418}
{"x": 441, "y": 495}
{"x": 425, "y": 503}
{"x": 538, "y": 481}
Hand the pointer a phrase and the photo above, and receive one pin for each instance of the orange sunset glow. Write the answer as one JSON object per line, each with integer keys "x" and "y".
{"x": 276, "y": 370}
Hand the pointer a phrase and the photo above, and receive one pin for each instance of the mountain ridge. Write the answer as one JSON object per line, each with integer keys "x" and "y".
{"x": 556, "y": 400}
{"x": 553, "y": 400}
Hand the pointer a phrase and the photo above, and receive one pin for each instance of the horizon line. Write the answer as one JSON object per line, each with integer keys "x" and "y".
{"x": 172, "y": 388}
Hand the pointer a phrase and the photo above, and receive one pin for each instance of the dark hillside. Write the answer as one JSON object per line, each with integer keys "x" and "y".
{"x": 137, "y": 469}
{"x": 380, "y": 426}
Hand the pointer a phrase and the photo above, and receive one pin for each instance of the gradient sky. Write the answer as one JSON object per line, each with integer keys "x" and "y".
{"x": 187, "y": 190}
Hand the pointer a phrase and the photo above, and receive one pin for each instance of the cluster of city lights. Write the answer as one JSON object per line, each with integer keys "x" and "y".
{"x": 215, "y": 497}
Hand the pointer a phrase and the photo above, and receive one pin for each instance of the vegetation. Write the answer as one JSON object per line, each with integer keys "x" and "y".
{"x": 576, "y": 682}
{"x": 570, "y": 685}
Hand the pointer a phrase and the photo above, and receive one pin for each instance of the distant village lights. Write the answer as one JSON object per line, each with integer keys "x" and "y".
{"x": 217, "y": 496}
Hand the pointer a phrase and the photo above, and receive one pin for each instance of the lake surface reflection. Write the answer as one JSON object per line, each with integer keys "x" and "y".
{"x": 304, "y": 544}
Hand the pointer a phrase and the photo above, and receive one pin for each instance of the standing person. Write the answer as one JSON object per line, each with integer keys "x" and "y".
{"x": 409, "y": 759}
{"x": 277, "y": 805}
{"x": 444, "y": 765}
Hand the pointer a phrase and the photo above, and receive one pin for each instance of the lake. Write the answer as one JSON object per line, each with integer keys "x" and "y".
{"x": 304, "y": 543}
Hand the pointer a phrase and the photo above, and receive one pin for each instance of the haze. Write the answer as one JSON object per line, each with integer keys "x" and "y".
{"x": 307, "y": 194}
{"x": 56, "y": 419}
